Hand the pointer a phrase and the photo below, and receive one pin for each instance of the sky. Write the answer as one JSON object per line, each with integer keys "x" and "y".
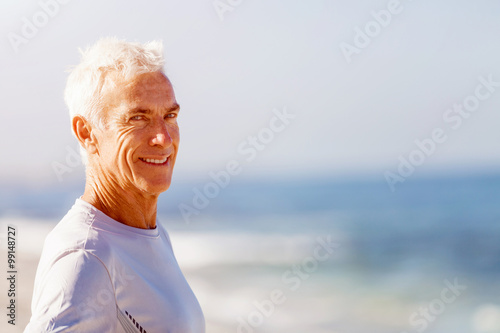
{"x": 327, "y": 88}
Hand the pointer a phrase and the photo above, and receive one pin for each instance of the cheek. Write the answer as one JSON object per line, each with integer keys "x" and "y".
{"x": 174, "y": 134}
{"x": 121, "y": 145}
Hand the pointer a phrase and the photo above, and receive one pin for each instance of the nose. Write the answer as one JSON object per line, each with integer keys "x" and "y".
{"x": 160, "y": 137}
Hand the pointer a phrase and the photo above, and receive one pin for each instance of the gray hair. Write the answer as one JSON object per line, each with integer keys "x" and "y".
{"x": 84, "y": 88}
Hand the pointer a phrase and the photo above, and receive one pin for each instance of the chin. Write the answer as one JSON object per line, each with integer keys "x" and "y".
{"x": 155, "y": 187}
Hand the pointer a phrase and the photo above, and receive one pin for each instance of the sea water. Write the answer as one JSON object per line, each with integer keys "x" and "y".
{"x": 423, "y": 258}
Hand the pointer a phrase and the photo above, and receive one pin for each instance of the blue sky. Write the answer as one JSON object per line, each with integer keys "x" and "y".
{"x": 231, "y": 76}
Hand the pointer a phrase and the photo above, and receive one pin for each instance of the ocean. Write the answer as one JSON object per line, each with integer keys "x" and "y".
{"x": 322, "y": 255}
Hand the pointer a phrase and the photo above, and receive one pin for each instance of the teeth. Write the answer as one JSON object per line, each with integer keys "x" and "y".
{"x": 155, "y": 161}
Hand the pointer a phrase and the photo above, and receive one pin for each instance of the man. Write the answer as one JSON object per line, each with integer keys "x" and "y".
{"x": 108, "y": 266}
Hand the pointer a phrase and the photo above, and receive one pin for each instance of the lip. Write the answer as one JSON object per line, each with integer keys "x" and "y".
{"x": 144, "y": 160}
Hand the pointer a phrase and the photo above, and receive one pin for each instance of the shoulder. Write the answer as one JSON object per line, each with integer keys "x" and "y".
{"x": 76, "y": 271}
{"x": 75, "y": 291}
{"x": 74, "y": 232}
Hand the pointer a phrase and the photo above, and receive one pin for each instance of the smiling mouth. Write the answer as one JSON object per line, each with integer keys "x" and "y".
{"x": 154, "y": 161}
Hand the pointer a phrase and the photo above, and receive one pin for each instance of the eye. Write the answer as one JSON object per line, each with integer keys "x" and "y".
{"x": 171, "y": 115}
{"x": 137, "y": 118}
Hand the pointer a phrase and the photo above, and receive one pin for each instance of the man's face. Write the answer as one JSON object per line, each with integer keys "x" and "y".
{"x": 138, "y": 147}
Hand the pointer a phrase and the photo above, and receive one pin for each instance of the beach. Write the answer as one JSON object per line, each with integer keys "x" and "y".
{"x": 29, "y": 238}
{"x": 321, "y": 258}
{"x": 226, "y": 285}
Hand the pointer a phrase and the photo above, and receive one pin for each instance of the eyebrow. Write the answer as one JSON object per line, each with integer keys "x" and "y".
{"x": 173, "y": 108}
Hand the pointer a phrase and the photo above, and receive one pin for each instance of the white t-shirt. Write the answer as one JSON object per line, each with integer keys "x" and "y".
{"x": 99, "y": 275}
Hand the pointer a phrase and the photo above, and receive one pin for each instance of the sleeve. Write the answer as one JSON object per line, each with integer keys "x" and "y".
{"x": 74, "y": 295}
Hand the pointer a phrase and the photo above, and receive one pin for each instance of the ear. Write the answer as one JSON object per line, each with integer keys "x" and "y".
{"x": 84, "y": 133}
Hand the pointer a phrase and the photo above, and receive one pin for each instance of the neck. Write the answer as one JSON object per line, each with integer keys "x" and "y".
{"x": 132, "y": 208}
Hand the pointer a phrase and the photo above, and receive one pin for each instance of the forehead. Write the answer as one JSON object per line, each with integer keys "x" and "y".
{"x": 149, "y": 90}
